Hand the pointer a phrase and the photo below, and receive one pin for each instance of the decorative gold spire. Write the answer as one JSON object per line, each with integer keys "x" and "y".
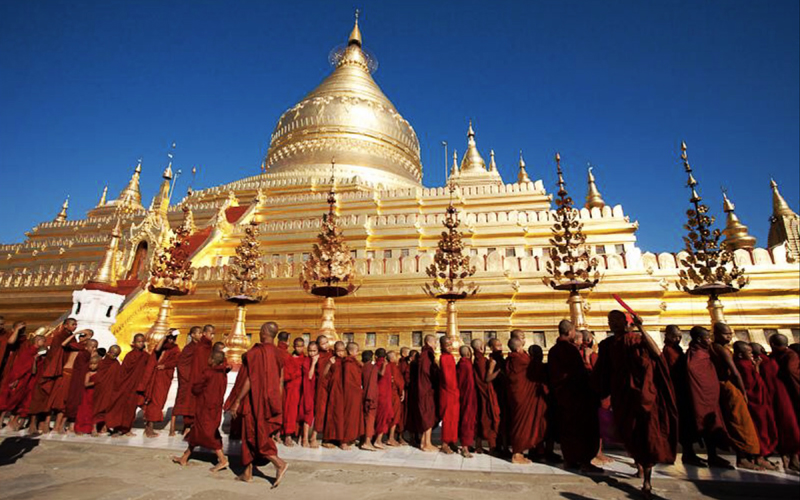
{"x": 103, "y": 197}
{"x": 107, "y": 272}
{"x": 355, "y": 35}
{"x": 62, "y": 215}
{"x": 130, "y": 196}
{"x": 492, "y": 163}
{"x": 593, "y": 198}
{"x": 779, "y": 205}
{"x": 454, "y": 168}
{"x": 523, "y": 174}
{"x": 161, "y": 201}
{"x": 736, "y": 234}
{"x": 472, "y": 160}
{"x": 784, "y": 224}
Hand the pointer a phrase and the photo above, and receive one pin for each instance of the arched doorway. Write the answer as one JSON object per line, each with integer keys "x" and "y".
{"x": 139, "y": 262}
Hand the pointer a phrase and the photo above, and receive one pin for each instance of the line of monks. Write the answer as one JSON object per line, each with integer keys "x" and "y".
{"x": 623, "y": 391}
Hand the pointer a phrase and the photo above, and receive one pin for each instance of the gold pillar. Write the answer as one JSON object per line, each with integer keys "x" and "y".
{"x": 161, "y": 327}
{"x": 452, "y": 324}
{"x": 715, "y": 310}
{"x": 575, "y": 302}
{"x": 236, "y": 341}
{"x": 327, "y": 327}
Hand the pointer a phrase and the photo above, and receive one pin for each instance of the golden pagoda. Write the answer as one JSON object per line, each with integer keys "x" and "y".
{"x": 392, "y": 225}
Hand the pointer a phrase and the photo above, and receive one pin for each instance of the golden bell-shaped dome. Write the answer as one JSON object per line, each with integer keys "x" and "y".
{"x": 349, "y": 119}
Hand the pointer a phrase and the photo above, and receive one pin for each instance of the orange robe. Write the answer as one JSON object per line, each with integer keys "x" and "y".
{"x": 759, "y": 405}
{"x": 526, "y": 403}
{"x": 448, "y": 398}
{"x": 468, "y": 402}
{"x": 209, "y": 394}
{"x": 160, "y": 382}
{"x": 262, "y": 408}
{"x": 292, "y": 391}
{"x": 488, "y": 419}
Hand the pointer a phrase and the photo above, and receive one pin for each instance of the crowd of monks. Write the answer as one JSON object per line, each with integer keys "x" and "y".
{"x": 624, "y": 391}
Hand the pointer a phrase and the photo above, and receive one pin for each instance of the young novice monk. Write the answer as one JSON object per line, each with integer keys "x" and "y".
{"x": 385, "y": 413}
{"x": 210, "y": 393}
{"x": 758, "y": 403}
{"x": 308, "y": 396}
{"x": 448, "y": 396}
{"x": 468, "y": 404}
{"x": 369, "y": 384}
{"x": 84, "y": 421}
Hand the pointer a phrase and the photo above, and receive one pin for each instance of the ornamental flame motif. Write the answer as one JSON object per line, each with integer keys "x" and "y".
{"x": 708, "y": 267}
{"x": 571, "y": 267}
{"x": 244, "y": 277}
{"x": 171, "y": 272}
{"x": 450, "y": 265}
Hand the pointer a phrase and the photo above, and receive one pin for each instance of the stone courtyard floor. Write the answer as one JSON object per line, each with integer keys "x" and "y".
{"x": 76, "y": 467}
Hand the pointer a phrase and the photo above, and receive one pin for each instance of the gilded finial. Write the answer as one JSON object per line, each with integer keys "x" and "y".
{"x": 472, "y": 161}
{"x": 779, "y": 206}
{"x": 103, "y": 197}
{"x": 736, "y": 233}
{"x": 130, "y": 197}
{"x": 355, "y": 35}
{"x": 470, "y": 132}
{"x": 523, "y": 174}
{"x": 62, "y": 215}
{"x": 107, "y": 271}
{"x": 454, "y": 168}
{"x": 492, "y": 163}
{"x": 593, "y": 197}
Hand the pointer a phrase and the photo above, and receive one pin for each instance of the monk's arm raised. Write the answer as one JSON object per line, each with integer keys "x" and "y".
{"x": 491, "y": 373}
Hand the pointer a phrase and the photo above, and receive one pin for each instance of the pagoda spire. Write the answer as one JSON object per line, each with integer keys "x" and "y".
{"x": 593, "y": 197}
{"x": 472, "y": 160}
{"x": 355, "y": 34}
{"x": 454, "y": 168}
{"x": 736, "y": 233}
{"x": 62, "y": 215}
{"x": 783, "y": 224}
{"x": 161, "y": 201}
{"x": 103, "y": 197}
{"x": 523, "y": 174}
{"x": 492, "y": 163}
{"x": 779, "y": 206}
{"x": 107, "y": 272}
{"x": 131, "y": 195}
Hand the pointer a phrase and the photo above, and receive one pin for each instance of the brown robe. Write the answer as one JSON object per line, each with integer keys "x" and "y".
{"x": 427, "y": 383}
{"x": 262, "y": 408}
{"x": 760, "y": 406}
{"x": 785, "y": 416}
{"x": 209, "y": 394}
{"x": 738, "y": 422}
{"x": 322, "y": 385}
{"x": 184, "y": 400}
{"x": 526, "y": 403}
{"x": 53, "y": 369}
{"x": 104, "y": 382}
{"x": 488, "y": 418}
{"x": 130, "y": 385}
{"x": 160, "y": 382}
{"x": 78, "y": 383}
{"x": 703, "y": 389}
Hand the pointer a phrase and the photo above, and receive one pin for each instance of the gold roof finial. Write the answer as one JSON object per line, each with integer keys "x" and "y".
{"x": 523, "y": 174}
{"x": 492, "y": 164}
{"x": 131, "y": 195}
{"x": 454, "y": 168}
{"x": 107, "y": 272}
{"x": 736, "y": 234}
{"x": 355, "y": 35}
{"x": 593, "y": 197}
{"x": 779, "y": 205}
{"x": 103, "y": 197}
{"x": 472, "y": 160}
{"x": 62, "y": 215}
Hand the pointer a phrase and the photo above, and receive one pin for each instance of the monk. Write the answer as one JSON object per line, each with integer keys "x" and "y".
{"x": 17, "y": 386}
{"x": 84, "y": 418}
{"x": 369, "y": 385}
{"x": 384, "y": 414}
{"x": 259, "y": 402}
{"x": 398, "y": 399}
{"x": 788, "y": 367}
{"x": 184, "y": 400}
{"x": 11, "y": 342}
{"x": 526, "y": 403}
{"x": 404, "y": 364}
{"x": 209, "y": 394}
{"x": 468, "y": 401}
{"x": 630, "y": 369}
{"x": 41, "y": 405}
{"x": 334, "y": 413}
{"x": 576, "y": 404}
{"x": 497, "y": 364}
{"x": 308, "y": 392}
{"x": 130, "y": 385}
{"x": 488, "y": 410}
{"x": 59, "y": 397}
{"x": 785, "y": 417}
{"x": 321, "y": 393}
{"x": 675, "y": 359}
{"x": 733, "y": 401}
{"x": 758, "y": 403}
{"x": 427, "y": 382}
{"x": 165, "y": 358}
{"x": 205, "y": 346}
{"x": 82, "y": 352}
{"x": 4, "y": 335}
{"x": 105, "y": 381}
{"x": 353, "y": 398}
{"x": 448, "y": 396}
{"x": 292, "y": 389}
{"x": 412, "y": 418}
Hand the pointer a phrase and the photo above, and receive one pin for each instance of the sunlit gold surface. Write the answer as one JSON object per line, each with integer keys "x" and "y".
{"x": 736, "y": 234}
{"x": 593, "y": 198}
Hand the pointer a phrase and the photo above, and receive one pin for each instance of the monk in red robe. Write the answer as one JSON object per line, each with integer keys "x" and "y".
{"x": 17, "y": 386}
{"x": 292, "y": 390}
{"x": 73, "y": 348}
{"x": 468, "y": 401}
{"x": 11, "y": 341}
{"x": 412, "y": 418}
{"x": 788, "y": 367}
{"x": 576, "y": 404}
{"x": 448, "y": 395}
{"x": 52, "y": 370}
{"x": 427, "y": 384}
{"x": 321, "y": 386}
{"x": 488, "y": 416}
{"x": 785, "y": 417}
{"x": 398, "y": 398}
{"x": 733, "y": 401}
{"x": 209, "y": 394}
{"x": 384, "y": 414}
{"x": 129, "y": 387}
{"x": 83, "y": 351}
{"x": 497, "y": 363}
{"x": 404, "y": 364}
{"x": 205, "y": 345}
{"x": 184, "y": 400}
{"x": 758, "y": 403}
{"x": 260, "y": 404}
{"x": 4, "y": 335}
{"x": 105, "y": 382}
{"x": 165, "y": 358}
{"x": 526, "y": 403}
{"x": 334, "y": 413}
{"x": 308, "y": 392}
{"x": 84, "y": 418}
{"x": 369, "y": 386}
{"x": 631, "y": 370}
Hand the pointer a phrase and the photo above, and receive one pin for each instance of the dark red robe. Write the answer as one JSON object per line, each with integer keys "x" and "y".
{"x": 105, "y": 381}
{"x": 526, "y": 403}
{"x": 759, "y": 405}
{"x": 321, "y": 395}
{"x": 384, "y": 415}
{"x": 235, "y": 431}
{"x": 53, "y": 369}
{"x": 292, "y": 392}
{"x": 334, "y": 414}
{"x": 184, "y": 400}
{"x": 209, "y": 394}
{"x": 785, "y": 417}
{"x": 500, "y": 384}
{"x": 77, "y": 386}
{"x": 468, "y": 402}
{"x": 160, "y": 382}
{"x": 308, "y": 393}
{"x": 369, "y": 392}
{"x": 575, "y": 403}
{"x": 398, "y": 395}
{"x": 675, "y": 360}
{"x": 20, "y": 379}
{"x": 488, "y": 418}
{"x": 353, "y": 400}
{"x": 84, "y": 418}
{"x": 448, "y": 398}
{"x": 703, "y": 388}
{"x": 262, "y": 408}
{"x": 789, "y": 373}
{"x": 404, "y": 366}
{"x": 427, "y": 384}
{"x": 131, "y": 382}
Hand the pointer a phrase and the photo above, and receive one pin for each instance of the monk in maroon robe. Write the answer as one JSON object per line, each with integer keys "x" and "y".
{"x": 788, "y": 367}
{"x": 526, "y": 403}
{"x": 404, "y": 365}
{"x": 260, "y": 404}
{"x": 4, "y": 335}
{"x": 334, "y": 388}
{"x": 412, "y": 419}
{"x": 468, "y": 401}
{"x": 84, "y": 418}
{"x": 427, "y": 384}
{"x": 165, "y": 358}
{"x": 209, "y": 394}
{"x": 488, "y": 417}
{"x": 105, "y": 382}
{"x": 398, "y": 399}
{"x": 53, "y": 369}
{"x": 369, "y": 386}
{"x": 352, "y": 398}
{"x": 184, "y": 400}
{"x": 18, "y": 384}
{"x": 758, "y": 403}
{"x": 497, "y": 363}
{"x": 384, "y": 414}
{"x": 448, "y": 395}
{"x": 576, "y": 404}
{"x": 308, "y": 392}
{"x": 785, "y": 417}
{"x": 292, "y": 389}
{"x": 202, "y": 352}
{"x": 630, "y": 369}
{"x": 10, "y": 343}
{"x": 84, "y": 350}
{"x": 129, "y": 387}
{"x": 321, "y": 386}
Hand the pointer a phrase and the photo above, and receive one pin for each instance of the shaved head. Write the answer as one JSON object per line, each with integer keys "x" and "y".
{"x": 514, "y": 345}
{"x": 268, "y": 332}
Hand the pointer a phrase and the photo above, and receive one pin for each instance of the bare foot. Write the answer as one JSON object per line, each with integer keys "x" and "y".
{"x": 345, "y": 446}
{"x": 288, "y": 442}
{"x": 171, "y": 434}
{"x": 329, "y": 446}
{"x": 647, "y": 492}
{"x": 305, "y": 444}
{"x": 517, "y": 458}
{"x": 245, "y": 478}
{"x": 313, "y": 444}
{"x": 129, "y": 434}
{"x": 402, "y": 442}
{"x": 368, "y": 446}
{"x": 392, "y": 442}
{"x": 150, "y": 434}
{"x": 429, "y": 449}
{"x": 219, "y": 466}
{"x": 179, "y": 460}
{"x": 279, "y": 475}
{"x": 379, "y": 446}
{"x": 747, "y": 464}
{"x": 446, "y": 449}
{"x": 766, "y": 464}
{"x": 465, "y": 452}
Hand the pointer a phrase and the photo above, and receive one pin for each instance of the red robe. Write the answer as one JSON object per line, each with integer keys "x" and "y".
{"x": 105, "y": 381}
{"x": 157, "y": 390}
{"x": 759, "y": 405}
{"x": 448, "y": 398}
{"x": 785, "y": 417}
{"x": 526, "y": 403}
{"x": 468, "y": 402}
{"x": 398, "y": 393}
{"x": 789, "y": 373}
{"x": 500, "y": 384}
{"x": 4, "y": 335}
{"x": 404, "y": 366}
{"x": 262, "y": 408}
{"x": 199, "y": 363}
{"x": 292, "y": 391}
{"x": 353, "y": 397}
{"x": 427, "y": 383}
{"x": 84, "y": 418}
{"x": 334, "y": 414}
{"x": 575, "y": 404}
{"x": 130, "y": 384}
{"x": 209, "y": 394}
{"x": 675, "y": 360}
{"x": 184, "y": 400}
{"x": 18, "y": 382}
{"x": 77, "y": 385}
{"x": 235, "y": 431}
{"x": 704, "y": 392}
{"x": 12, "y": 351}
{"x": 308, "y": 392}
{"x": 384, "y": 416}
{"x": 488, "y": 418}
{"x": 369, "y": 384}
{"x": 321, "y": 395}
{"x": 642, "y": 397}
{"x": 53, "y": 369}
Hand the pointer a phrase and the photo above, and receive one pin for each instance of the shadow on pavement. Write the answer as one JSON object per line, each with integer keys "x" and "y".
{"x": 14, "y": 448}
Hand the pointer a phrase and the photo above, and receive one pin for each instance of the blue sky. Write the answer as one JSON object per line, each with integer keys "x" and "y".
{"x": 86, "y": 88}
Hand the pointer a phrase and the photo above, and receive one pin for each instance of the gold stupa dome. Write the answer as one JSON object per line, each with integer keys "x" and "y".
{"x": 349, "y": 119}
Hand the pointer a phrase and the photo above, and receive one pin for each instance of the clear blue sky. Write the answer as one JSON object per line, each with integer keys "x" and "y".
{"x": 88, "y": 87}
